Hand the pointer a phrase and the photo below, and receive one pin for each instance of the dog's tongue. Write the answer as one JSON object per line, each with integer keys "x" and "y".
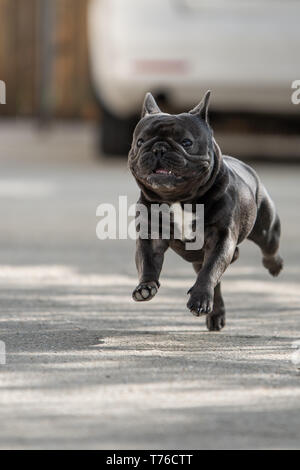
{"x": 162, "y": 171}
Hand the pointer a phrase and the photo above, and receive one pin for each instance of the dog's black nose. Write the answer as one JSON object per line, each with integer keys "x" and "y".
{"x": 159, "y": 148}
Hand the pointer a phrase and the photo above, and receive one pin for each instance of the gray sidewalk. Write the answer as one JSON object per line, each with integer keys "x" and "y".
{"x": 89, "y": 368}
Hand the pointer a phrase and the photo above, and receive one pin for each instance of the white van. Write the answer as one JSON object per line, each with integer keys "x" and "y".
{"x": 246, "y": 52}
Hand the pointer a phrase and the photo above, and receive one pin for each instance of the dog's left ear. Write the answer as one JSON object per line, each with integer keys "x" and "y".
{"x": 150, "y": 106}
{"x": 201, "y": 109}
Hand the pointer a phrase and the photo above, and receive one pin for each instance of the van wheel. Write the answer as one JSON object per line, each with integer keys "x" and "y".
{"x": 115, "y": 134}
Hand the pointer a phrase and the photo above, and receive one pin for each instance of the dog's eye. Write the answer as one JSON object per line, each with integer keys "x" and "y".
{"x": 139, "y": 142}
{"x": 186, "y": 143}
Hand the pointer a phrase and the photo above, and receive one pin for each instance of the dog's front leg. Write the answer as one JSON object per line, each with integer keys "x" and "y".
{"x": 149, "y": 260}
{"x": 218, "y": 254}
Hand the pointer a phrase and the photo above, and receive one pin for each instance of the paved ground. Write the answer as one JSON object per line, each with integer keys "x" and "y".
{"x": 89, "y": 368}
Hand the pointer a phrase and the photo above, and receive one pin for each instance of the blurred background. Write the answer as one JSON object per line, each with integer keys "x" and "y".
{"x": 93, "y": 60}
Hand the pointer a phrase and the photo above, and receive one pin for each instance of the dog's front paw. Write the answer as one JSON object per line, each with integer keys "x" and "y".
{"x": 201, "y": 301}
{"x": 145, "y": 291}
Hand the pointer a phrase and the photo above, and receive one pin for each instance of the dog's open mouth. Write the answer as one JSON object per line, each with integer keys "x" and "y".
{"x": 163, "y": 176}
{"x": 163, "y": 171}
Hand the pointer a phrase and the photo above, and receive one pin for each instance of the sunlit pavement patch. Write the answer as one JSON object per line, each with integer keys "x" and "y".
{"x": 19, "y": 188}
{"x": 295, "y": 356}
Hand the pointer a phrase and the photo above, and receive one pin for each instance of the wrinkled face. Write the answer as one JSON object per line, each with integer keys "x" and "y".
{"x": 171, "y": 154}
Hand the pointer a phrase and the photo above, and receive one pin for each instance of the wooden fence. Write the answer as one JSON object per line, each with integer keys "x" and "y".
{"x": 44, "y": 58}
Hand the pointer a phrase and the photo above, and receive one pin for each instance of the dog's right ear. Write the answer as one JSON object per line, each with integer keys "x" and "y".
{"x": 150, "y": 106}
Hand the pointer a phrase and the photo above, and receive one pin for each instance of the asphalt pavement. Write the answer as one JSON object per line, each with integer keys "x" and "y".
{"x": 88, "y": 368}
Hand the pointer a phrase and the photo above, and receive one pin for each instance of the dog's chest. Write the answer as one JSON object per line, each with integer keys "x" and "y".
{"x": 184, "y": 221}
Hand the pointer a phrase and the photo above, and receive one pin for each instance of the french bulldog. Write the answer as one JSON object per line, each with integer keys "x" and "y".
{"x": 175, "y": 159}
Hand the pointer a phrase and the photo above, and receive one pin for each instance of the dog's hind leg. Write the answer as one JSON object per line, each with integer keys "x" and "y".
{"x": 271, "y": 258}
{"x": 266, "y": 234}
{"x": 215, "y": 320}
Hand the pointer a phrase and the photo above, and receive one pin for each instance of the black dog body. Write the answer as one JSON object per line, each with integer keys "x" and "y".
{"x": 176, "y": 159}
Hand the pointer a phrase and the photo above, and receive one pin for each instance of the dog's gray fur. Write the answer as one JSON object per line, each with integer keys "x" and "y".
{"x": 236, "y": 204}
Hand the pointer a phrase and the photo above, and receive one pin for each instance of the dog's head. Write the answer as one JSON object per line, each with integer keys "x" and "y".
{"x": 172, "y": 156}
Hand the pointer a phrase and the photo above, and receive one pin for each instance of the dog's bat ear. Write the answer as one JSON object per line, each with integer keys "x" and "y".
{"x": 202, "y": 108}
{"x": 150, "y": 106}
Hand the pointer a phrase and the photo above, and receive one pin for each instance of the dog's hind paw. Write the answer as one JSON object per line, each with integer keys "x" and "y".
{"x": 274, "y": 265}
{"x": 215, "y": 322}
{"x": 145, "y": 291}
